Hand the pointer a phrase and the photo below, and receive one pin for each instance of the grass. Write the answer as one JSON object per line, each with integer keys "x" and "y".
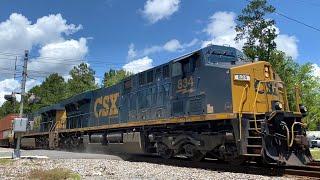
{"x": 315, "y": 153}
{"x": 5, "y": 161}
{"x": 53, "y": 174}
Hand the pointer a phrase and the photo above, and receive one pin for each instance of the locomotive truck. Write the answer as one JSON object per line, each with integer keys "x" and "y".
{"x": 212, "y": 102}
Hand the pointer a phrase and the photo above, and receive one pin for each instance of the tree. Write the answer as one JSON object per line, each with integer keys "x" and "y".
{"x": 259, "y": 34}
{"x": 52, "y": 90}
{"x": 114, "y": 76}
{"x": 9, "y": 108}
{"x": 310, "y": 91}
{"x": 82, "y": 79}
{"x": 257, "y": 31}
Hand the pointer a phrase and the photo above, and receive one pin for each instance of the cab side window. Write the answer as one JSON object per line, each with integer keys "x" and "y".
{"x": 185, "y": 66}
{"x": 142, "y": 78}
{"x": 166, "y": 71}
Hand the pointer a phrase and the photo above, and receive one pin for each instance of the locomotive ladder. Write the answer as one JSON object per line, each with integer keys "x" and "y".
{"x": 53, "y": 137}
{"x": 253, "y": 141}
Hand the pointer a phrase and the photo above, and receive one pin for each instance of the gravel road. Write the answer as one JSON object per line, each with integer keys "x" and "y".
{"x": 100, "y": 166}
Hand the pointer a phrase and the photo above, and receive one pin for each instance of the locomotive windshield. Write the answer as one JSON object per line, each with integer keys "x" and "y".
{"x": 215, "y": 54}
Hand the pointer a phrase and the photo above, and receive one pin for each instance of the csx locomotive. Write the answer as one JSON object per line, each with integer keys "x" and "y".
{"x": 212, "y": 102}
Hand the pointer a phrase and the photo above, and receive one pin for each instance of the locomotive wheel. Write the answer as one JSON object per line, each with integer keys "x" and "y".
{"x": 164, "y": 151}
{"x": 192, "y": 153}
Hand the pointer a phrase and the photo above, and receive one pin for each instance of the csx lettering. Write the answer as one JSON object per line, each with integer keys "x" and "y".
{"x": 106, "y": 106}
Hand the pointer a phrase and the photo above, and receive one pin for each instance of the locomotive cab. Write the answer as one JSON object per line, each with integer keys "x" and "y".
{"x": 260, "y": 100}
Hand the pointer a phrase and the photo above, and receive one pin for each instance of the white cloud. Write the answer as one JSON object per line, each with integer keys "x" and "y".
{"x": 59, "y": 57}
{"x": 49, "y": 29}
{"x": 139, "y": 65}
{"x": 287, "y": 44}
{"x": 155, "y": 10}
{"x": 49, "y": 33}
{"x": 172, "y": 45}
{"x": 221, "y": 31}
{"x": 132, "y": 53}
{"x": 316, "y": 70}
{"x": 49, "y": 36}
{"x": 18, "y": 32}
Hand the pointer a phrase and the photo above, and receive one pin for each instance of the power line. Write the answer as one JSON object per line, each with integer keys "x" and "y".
{"x": 10, "y": 54}
{"x": 295, "y": 20}
{"x": 57, "y": 61}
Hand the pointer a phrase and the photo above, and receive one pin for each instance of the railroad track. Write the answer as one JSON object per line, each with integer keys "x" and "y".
{"x": 312, "y": 170}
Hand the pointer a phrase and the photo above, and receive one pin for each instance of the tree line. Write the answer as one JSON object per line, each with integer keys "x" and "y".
{"x": 254, "y": 27}
{"x": 55, "y": 88}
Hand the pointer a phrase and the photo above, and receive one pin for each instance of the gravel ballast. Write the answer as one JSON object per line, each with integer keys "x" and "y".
{"x": 116, "y": 169}
{"x": 106, "y": 166}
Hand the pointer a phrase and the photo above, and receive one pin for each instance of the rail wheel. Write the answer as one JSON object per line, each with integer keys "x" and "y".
{"x": 193, "y": 153}
{"x": 164, "y": 151}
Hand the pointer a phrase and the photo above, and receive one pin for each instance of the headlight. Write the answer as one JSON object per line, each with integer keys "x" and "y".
{"x": 303, "y": 109}
{"x": 266, "y": 72}
{"x": 278, "y": 106}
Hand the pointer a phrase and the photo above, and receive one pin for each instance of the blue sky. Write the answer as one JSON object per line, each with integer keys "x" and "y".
{"x": 102, "y": 31}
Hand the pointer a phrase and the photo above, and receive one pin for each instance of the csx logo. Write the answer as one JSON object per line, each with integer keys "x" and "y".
{"x": 106, "y": 106}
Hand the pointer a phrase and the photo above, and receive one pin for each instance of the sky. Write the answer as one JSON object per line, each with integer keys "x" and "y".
{"x": 133, "y": 35}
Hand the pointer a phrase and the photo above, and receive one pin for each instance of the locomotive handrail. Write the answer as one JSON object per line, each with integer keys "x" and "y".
{"x": 292, "y": 132}
{"x": 288, "y": 134}
{"x": 240, "y": 111}
{"x": 255, "y": 101}
{"x": 53, "y": 127}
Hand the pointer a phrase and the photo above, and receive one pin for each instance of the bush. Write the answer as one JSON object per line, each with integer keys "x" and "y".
{"x": 5, "y": 161}
{"x": 53, "y": 174}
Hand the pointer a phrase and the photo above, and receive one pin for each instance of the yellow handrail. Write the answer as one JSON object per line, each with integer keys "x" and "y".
{"x": 254, "y": 108}
{"x": 53, "y": 127}
{"x": 240, "y": 111}
{"x": 288, "y": 135}
{"x": 255, "y": 101}
{"x": 292, "y": 132}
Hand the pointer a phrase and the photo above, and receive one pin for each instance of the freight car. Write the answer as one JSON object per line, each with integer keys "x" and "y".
{"x": 212, "y": 102}
{"x": 6, "y": 133}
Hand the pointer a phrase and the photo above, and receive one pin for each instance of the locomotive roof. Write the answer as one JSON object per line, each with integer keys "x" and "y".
{"x": 78, "y": 97}
{"x": 220, "y": 53}
{"x": 57, "y": 106}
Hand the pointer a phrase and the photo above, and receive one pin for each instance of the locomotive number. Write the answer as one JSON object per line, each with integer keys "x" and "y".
{"x": 184, "y": 84}
{"x": 242, "y": 77}
{"x": 105, "y": 106}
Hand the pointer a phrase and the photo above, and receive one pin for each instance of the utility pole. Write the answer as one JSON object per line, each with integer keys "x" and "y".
{"x": 23, "y": 89}
{"x": 15, "y": 68}
{"x": 14, "y": 78}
